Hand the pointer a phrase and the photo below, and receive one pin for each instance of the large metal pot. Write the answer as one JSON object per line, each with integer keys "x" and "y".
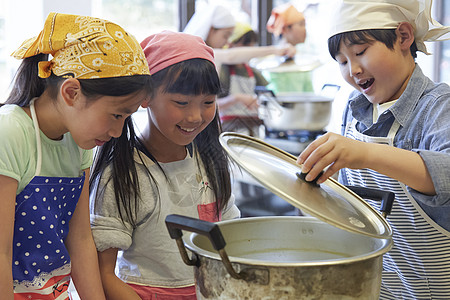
{"x": 280, "y": 258}
{"x": 336, "y": 255}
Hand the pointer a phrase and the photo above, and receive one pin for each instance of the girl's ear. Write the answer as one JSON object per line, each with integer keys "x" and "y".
{"x": 146, "y": 103}
{"x": 405, "y": 32}
{"x": 70, "y": 91}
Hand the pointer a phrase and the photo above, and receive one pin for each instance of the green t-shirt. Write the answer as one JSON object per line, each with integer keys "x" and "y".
{"x": 18, "y": 150}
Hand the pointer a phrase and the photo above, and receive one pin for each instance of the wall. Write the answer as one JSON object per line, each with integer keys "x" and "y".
{"x": 27, "y": 23}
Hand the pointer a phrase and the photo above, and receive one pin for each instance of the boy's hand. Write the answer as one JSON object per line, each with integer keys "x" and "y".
{"x": 335, "y": 151}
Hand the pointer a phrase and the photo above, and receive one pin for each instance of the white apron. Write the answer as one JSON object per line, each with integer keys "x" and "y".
{"x": 418, "y": 266}
{"x": 239, "y": 118}
{"x": 241, "y": 85}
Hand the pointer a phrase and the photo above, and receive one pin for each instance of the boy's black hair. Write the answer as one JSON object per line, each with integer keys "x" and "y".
{"x": 385, "y": 36}
{"x": 190, "y": 77}
{"x": 27, "y": 84}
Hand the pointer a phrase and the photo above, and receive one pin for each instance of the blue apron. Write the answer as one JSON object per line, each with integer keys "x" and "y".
{"x": 418, "y": 266}
{"x": 41, "y": 263}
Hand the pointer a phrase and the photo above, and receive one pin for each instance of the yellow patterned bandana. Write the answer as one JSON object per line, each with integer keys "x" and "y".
{"x": 239, "y": 30}
{"x": 84, "y": 48}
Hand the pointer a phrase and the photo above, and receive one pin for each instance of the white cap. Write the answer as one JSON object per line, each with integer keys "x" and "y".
{"x": 353, "y": 15}
{"x": 215, "y": 16}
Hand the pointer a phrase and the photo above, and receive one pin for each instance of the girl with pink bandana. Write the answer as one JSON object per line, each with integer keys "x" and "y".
{"x": 174, "y": 166}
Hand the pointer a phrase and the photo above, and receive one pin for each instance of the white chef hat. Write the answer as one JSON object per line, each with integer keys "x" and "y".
{"x": 353, "y": 15}
{"x": 215, "y": 16}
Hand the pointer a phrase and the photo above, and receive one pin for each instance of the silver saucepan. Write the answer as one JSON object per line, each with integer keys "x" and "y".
{"x": 294, "y": 110}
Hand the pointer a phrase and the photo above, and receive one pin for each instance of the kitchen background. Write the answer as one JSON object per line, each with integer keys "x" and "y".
{"x": 22, "y": 19}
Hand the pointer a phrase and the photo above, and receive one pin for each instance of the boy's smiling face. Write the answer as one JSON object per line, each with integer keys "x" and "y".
{"x": 378, "y": 72}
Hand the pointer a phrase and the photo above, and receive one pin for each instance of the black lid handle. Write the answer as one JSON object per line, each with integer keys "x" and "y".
{"x": 302, "y": 176}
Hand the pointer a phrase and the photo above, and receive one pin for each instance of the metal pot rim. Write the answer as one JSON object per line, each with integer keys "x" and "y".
{"x": 299, "y": 97}
{"x": 188, "y": 241}
{"x": 278, "y": 64}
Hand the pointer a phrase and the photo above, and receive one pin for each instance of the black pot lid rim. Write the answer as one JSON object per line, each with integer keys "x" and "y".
{"x": 330, "y": 201}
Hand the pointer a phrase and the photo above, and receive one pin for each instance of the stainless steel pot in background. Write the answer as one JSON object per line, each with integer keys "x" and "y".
{"x": 294, "y": 111}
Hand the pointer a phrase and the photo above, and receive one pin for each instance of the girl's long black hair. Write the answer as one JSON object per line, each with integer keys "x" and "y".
{"x": 190, "y": 77}
{"x": 27, "y": 84}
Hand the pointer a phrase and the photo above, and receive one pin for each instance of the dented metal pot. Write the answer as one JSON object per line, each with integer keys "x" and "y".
{"x": 336, "y": 253}
{"x": 280, "y": 258}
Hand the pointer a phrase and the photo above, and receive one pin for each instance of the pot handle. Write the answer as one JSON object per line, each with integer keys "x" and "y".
{"x": 176, "y": 223}
{"x": 387, "y": 198}
{"x": 324, "y": 91}
{"x": 268, "y": 94}
{"x": 261, "y": 89}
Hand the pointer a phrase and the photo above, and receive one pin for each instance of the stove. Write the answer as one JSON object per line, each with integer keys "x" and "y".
{"x": 292, "y": 141}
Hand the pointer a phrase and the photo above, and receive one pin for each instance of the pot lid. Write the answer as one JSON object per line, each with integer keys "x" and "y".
{"x": 330, "y": 201}
{"x": 281, "y": 64}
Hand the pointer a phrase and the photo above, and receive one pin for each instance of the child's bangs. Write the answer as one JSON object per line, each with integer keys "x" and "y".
{"x": 193, "y": 77}
{"x": 348, "y": 38}
{"x": 369, "y": 36}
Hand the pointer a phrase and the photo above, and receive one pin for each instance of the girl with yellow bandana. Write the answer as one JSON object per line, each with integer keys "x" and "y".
{"x": 58, "y": 110}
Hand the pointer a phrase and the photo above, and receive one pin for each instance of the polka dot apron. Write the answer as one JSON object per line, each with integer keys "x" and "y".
{"x": 41, "y": 263}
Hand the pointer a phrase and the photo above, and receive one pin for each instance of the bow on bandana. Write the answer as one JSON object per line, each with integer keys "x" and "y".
{"x": 85, "y": 47}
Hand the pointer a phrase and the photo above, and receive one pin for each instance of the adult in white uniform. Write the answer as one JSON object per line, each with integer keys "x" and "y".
{"x": 215, "y": 24}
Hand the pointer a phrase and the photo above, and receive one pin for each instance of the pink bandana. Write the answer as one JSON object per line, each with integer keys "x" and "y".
{"x": 167, "y": 48}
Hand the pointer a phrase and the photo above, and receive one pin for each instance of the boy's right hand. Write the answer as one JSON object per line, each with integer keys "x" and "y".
{"x": 335, "y": 152}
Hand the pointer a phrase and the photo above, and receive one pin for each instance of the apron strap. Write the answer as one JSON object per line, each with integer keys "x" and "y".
{"x": 392, "y": 131}
{"x": 38, "y": 141}
{"x": 247, "y": 67}
{"x": 394, "y": 128}
{"x": 249, "y": 70}
{"x": 38, "y": 137}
